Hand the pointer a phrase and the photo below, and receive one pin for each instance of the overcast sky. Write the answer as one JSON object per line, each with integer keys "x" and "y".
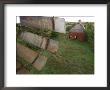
{"x": 82, "y": 18}
{"x": 73, "y": 19}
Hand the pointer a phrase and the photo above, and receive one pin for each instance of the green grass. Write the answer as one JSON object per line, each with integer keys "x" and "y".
{"x": 73, "y": 57}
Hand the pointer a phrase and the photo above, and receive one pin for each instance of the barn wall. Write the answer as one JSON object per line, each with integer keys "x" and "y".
{"x": 77, "y": 35}
{"x": 40, "y": 22}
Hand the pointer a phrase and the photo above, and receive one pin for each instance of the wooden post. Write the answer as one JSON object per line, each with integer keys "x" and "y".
{"x": 53, "y": 23}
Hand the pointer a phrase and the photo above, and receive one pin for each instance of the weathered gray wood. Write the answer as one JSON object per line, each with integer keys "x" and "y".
{"x": 26, "y": 53}
{"x": 31, "y": 38}
{"x": 40, "y": 22}
{"x": 40, "y": 41}
{"x": 59, "y": 25}
{"x": 52, "y": 46}
{"x": 40, "y": 62}
{"x": 44, "y": 43}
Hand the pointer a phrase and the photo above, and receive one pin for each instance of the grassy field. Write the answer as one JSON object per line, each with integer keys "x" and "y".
{"x": 73, "y": 57}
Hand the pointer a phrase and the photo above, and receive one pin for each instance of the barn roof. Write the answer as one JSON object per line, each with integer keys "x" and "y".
{"x": 77, "y": 28}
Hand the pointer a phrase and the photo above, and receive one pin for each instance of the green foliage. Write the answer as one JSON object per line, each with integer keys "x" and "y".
{"x": 89, "y": 30}
{"x": 68, "y": 28}
{"x": 54, "y": 35}
{"x": 42, "y": 32}
{"x": 69, "y": 25}
{"x": 18, "y": 29}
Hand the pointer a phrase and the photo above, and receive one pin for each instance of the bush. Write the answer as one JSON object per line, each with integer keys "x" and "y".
{"x": 69, "y": 25}
{"x": 54, "y": 34}
{"x": 89, "y": 30}
{"x": 68, "y": 28}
